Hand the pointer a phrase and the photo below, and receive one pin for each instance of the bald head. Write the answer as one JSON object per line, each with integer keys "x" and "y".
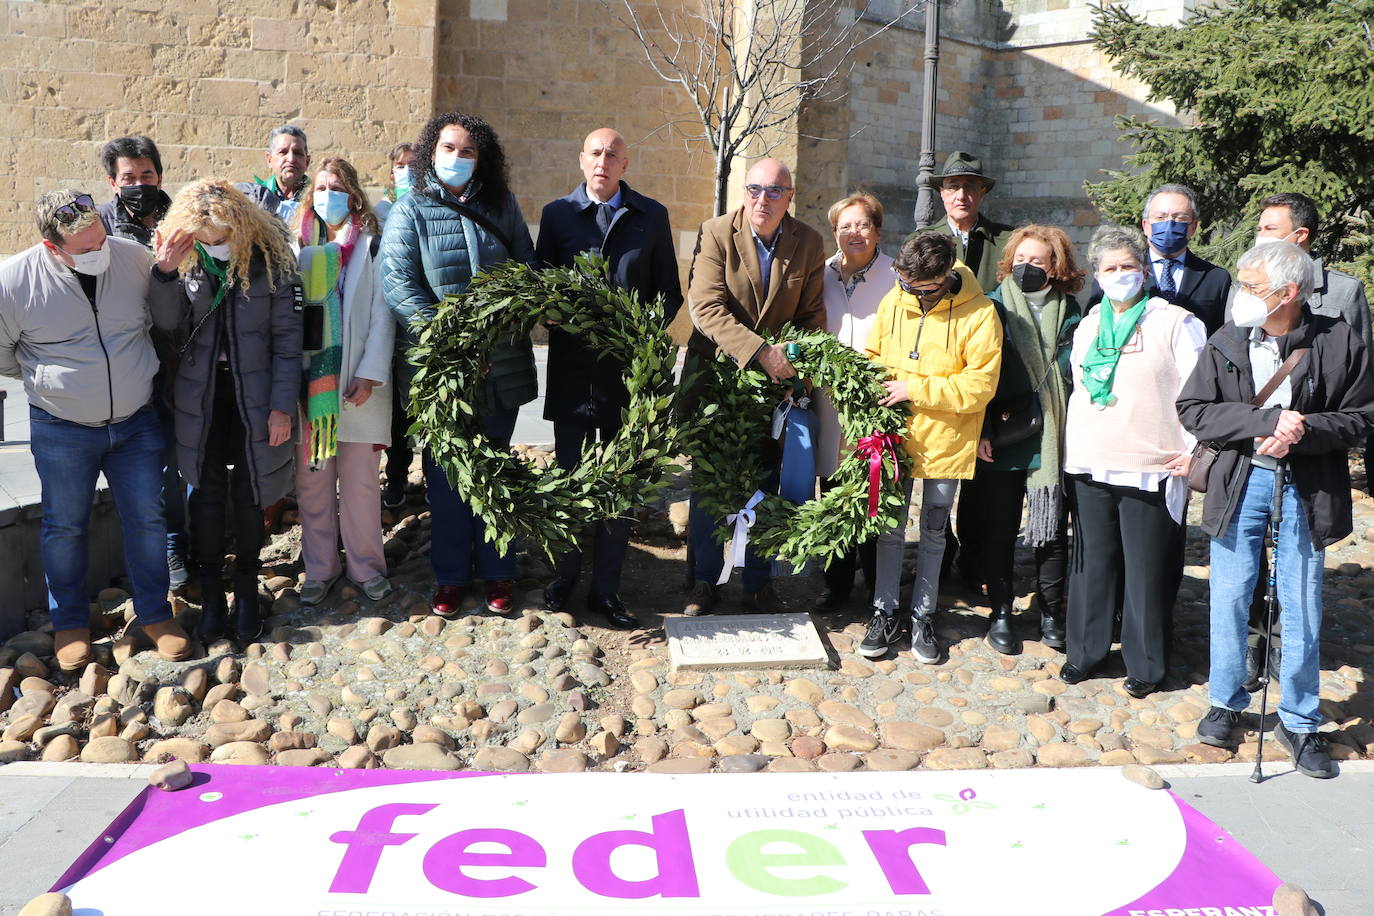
{"x": 603, "y": 161}
{"x": 766, "y": 178}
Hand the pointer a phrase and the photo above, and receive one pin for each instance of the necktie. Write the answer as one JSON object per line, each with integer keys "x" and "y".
{"x": 1167, "y": 290}
{"x": 604, "y": 214}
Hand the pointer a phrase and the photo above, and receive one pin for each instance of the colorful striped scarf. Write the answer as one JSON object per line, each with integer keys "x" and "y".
{"x": 322, "y": 266}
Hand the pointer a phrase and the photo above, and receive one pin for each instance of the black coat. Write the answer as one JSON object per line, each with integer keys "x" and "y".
{"x": 1333, "y": 388}
{"x": 1202, "y": 290}
{"x": 639, "y": 247}
{"x": 119, "y": 222}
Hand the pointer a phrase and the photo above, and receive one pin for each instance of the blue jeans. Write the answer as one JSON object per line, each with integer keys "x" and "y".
{"x": 1235, "y": 565}
{"x": 459, "y": 551}
{"x": 69, "y": 457}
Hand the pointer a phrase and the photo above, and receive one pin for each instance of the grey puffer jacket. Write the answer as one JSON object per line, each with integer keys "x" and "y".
{"x": 263, "y": 346}
{"x": 430, "y": 251}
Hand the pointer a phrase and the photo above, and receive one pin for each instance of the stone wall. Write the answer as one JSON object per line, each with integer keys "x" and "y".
{"x": 206, "y": 82}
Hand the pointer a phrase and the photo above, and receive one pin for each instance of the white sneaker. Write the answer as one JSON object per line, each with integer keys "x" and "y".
{"x": 313, "y": 591}
{"x": 377, "y": 588}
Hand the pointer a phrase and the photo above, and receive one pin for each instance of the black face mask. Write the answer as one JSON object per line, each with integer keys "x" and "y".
{"x": 1030, "y": 278}
{"x": 140, "y": 200}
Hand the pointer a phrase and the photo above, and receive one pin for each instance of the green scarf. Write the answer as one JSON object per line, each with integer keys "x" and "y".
{"x": 1035, "y": 343}
{"x": 321, "y": 272}
{"x": 1099, "y": 366}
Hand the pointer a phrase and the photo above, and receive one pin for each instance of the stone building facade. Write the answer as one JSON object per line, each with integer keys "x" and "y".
{"x": 1019, "y": 85}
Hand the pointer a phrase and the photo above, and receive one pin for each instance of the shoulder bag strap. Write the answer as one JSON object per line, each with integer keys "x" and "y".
{"x": 1277, "y": 378}
{"x": 479, "y": 219}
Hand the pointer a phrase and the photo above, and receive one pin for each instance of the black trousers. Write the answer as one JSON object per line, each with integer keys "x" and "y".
{"x": 970, "y": 520}
{"x": 224, "y": 491}
{"x": 1125, "y": 549}
{"x": 1001, "y": 494}
{"x": 399, "y": 455}
{"x": 839, "y": 575}
{"x": 610, "y": 538}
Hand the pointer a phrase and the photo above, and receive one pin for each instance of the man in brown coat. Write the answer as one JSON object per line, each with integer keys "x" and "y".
{"x": 754, "y": 270}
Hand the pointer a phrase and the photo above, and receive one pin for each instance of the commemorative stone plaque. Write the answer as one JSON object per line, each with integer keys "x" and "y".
{"x": 744, "y": 641}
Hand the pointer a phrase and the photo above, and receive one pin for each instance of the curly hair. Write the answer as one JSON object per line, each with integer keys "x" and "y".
{"x": 358, "y": 203}
{"x": 491, "y": 180}
{"x": 1065, "y": 277}
{"x": 216, "y": 202}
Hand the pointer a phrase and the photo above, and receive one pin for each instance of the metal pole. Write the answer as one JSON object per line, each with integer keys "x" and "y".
{"x": 1271, "y": 601}
{"x": 925, "y": 194}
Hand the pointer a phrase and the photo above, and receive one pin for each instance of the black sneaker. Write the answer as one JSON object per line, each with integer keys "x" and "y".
{"x": 924, "y": 645}
{"x": 1308, "y": 750}
{"x": 177, "y": 574}
{"x": 1215, "y": 727}
{"x": 883, "y": 630}
{"x": 394, "y": 494}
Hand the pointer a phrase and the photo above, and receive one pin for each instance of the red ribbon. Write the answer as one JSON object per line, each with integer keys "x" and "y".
{"x": 872, "y": 448}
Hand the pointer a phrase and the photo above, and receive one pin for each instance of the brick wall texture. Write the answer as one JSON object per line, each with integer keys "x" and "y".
{"x": 1019, "y": 85}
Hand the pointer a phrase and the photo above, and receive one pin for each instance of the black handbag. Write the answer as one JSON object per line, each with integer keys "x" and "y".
{"x": 1016, "y": 420}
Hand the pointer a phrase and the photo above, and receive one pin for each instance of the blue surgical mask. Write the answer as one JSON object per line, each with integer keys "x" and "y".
{"x": 454, "y": 171}
{"x": 1169, "y": 236}
{"x": 331, "y": 206}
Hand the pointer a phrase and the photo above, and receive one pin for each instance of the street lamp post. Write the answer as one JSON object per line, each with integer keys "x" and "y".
{"x": 925, "y": 194}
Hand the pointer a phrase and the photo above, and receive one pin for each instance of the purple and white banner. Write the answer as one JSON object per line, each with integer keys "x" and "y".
{"x": 315, "y": 842}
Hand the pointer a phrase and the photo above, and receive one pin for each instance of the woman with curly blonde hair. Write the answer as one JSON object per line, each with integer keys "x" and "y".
{"x": 237, "y": 382}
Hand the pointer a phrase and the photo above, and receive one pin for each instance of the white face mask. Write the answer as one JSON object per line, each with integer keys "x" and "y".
{"x": 219, "y": 252}
{"x": 92, "y": 263}
{"x": 1250, "y": 311}
{"x": 1121, "y": 287}
{"x": 1269, "y": 239}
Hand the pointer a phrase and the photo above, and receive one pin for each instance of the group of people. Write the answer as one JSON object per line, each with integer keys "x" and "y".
{"x": 231, "y": 341}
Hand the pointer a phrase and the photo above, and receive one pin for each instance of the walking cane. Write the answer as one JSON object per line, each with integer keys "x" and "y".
{"x": 1271, "y": 602}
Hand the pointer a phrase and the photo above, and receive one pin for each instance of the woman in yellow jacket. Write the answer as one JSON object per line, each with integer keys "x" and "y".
{"x": 942, "y": 341}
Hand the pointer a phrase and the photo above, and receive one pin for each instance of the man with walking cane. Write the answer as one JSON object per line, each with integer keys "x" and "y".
{"x": 1279, "y": 394}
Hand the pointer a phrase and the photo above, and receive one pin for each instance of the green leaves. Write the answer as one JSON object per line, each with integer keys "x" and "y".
{"x": 546, "y": 506}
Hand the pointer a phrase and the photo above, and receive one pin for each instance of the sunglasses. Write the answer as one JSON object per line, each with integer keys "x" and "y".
{"x": 70, "y": 213}
{"x": 772, "y": 191}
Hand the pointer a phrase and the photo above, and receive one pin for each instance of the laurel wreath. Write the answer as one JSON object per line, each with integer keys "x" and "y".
{"x": 518, "y": 499}
{"x": 727, "y": 463}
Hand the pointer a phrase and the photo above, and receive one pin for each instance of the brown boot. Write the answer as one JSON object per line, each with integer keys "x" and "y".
{"x": 701, "y": 599}
{"x": 170, "y": 639}
{"x": 72, "y": 648}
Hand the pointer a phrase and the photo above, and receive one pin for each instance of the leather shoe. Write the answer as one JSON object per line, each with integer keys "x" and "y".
{"x": 72, "y": 648}
{"x": 701, "y": 599}
{"x": 1072, "y": 674}
{"x": 614, "y": 610}
{"x": 556, "y": 593}
{"x": 763, "y": 601}
{"x": 447, "y": 601}
{"x": 1137, "y": 688}
{"x": 213, "y": 609}
{"x": 1000, "y": 635}
{"x": 500, "y": 594}
{"x": 831, "y": 600}
{"x": 170, "y": 639}
{"x": 1052, "y": 631}
{"x": 248, "y": 624}
{"x": 1254, "y": 658}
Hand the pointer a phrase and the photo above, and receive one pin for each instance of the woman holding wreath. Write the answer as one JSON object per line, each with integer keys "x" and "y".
{"x": 237, "y": 382}
{"x": 344, "y": 421}
{"x": 460, "y": 217}
{"x": 1019, "y": 461}
{"x": 1126, "y": 457}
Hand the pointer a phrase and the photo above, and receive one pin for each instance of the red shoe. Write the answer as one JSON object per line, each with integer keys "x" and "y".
{"x": 499, "y": 596}
{"x": 448, "y": 600}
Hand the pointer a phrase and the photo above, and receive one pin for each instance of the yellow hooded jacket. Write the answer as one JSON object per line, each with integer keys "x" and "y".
{"x": 951, "y": 374}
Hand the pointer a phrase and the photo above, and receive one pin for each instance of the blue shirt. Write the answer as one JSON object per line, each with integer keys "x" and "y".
{"x": 614, "y": 201}
{"x": 765, "y": 252}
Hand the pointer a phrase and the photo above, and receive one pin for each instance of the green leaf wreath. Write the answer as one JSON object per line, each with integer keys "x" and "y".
{"x": 519, "y": 500}
{"x": 727, "y": 461}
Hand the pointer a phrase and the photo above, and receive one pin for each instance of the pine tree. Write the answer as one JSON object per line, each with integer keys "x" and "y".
{"x": 1281, "y": 96}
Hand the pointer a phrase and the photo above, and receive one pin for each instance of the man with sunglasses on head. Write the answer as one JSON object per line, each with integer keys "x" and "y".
{"x": 754, "y": 270}
{"x": 74, "y": 323}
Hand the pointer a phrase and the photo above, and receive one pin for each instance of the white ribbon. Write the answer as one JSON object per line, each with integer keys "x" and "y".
{"x": 743, "y": 520}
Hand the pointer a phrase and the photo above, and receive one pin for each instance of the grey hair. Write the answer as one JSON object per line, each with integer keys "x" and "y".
{"x": 1115, "y": 238}
{"x": 49, "y": 227}
{"x": 1284, "y": 263}
{"x": 1170, "y": 189}
{"x": 290, "y": 130}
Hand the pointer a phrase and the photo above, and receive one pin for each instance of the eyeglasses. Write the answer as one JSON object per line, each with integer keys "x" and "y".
{"x": 1263, "y": 292}
{"x": 70, "y": 213}
{"x": 1171, "y": 217}
{"x": 772, "y": 191}
{"x": 862, "y": 225}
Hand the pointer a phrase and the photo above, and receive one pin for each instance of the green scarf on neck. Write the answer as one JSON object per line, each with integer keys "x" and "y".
{"x": 1113, "y": 331}
{"x": 1035, "y": 342}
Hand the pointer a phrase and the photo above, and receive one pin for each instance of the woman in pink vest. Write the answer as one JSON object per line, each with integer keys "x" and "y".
{"x": 1125, "y": 456}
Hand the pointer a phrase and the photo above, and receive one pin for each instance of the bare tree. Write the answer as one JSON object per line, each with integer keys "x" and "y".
{"x": 748, "y": 66}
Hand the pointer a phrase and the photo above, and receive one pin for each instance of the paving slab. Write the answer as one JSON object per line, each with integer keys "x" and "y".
{"x": 744, "y": 641}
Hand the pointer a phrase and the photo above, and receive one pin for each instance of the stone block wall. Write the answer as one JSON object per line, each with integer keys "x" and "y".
{"x": 206, "y": 81}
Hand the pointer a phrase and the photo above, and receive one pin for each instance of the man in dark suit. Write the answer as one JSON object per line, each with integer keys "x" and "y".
{"x": 754, "y": 270}
{"x": 585, "y": 394}
{"x": 1169, "y": 222}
